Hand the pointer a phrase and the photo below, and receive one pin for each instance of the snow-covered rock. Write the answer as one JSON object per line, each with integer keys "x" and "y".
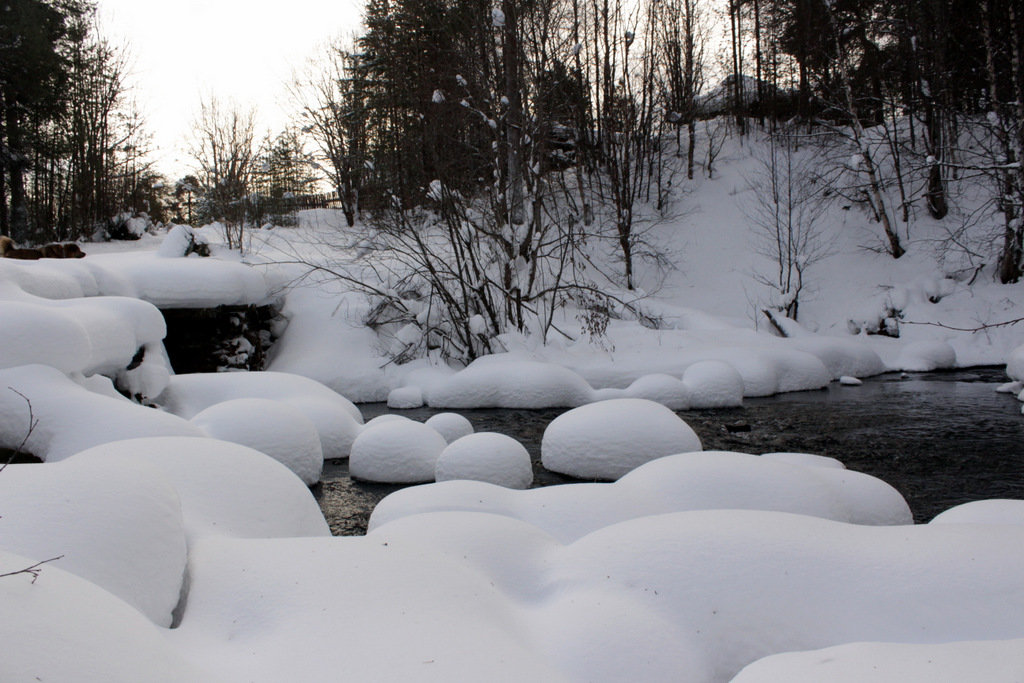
{"x": 713, "y": 384}
{"x": 665, "y": 389}
{"x": 807, "y": 459}
{"x": 993, "y": 511}
{"x": 486, "y": 456}
{"x": 396, "y": 451}
{"x": 272, "y": 427}
{"x": 1015, "y": 364}
{"x": 187, "y": 282}
{"x": 451, "y": 426}
{"x": 994, "y": 661}
{"x": 337, "y": 420}
{"x": 405, "y": 398}
{"x": 498, "y": 382}
{"x": 604, "y": 440}
{"x": 925, "y": 356}
{"x": 70, "y": 417}
{"x": 225, "y": 489}
{"x": 89, "y": 335}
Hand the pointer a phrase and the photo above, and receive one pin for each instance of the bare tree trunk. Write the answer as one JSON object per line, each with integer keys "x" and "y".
{"x": 514, "y": 123}
{"x": 874, "y": 184}
{"x": 1010, "y": 183}
{"x": 16, "y": 172}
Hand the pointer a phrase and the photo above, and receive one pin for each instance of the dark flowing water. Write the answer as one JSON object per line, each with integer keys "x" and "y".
{"x": 941, "y": 439}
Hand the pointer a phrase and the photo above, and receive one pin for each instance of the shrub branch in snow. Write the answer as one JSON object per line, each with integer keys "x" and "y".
{"x": 35, "y": 569}
{"x": 32, "y": 422}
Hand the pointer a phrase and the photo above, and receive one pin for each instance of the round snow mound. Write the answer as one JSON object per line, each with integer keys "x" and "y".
{"x": 713, "y": 384}
{"x": 1015, "y": 364}
{"x": 405, "y": 398}
{"x": 925, "y": 356}
{"x": 497, "y": 382}
{"x": 604, "y": 440}
{"x": 384, "y": 419}
{"x": 489, "y": 457}
{"x": 451, "y": 426}
{"x": 992, "y": 511}
{"x": 271, "y": 427}
{"x": 396, "y": 451}
{"x": 665, "y": 389}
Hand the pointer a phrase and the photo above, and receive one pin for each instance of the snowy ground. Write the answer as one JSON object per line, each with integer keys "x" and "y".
{"x": 190, "y": 549}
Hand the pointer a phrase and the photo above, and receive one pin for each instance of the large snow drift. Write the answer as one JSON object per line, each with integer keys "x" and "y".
{"x": 688, "y": 481}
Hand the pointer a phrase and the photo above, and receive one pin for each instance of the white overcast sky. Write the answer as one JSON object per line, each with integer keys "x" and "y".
{"x": 241, "y": 51}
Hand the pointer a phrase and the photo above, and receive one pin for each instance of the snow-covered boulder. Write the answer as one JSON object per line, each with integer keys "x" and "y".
{"x": 667, "y": 390}
{"x": 187, "y": 282}
{"x": 993, "y": 661}
{"x": 278, "y": 429}
{"x": 713, "y": 384}
{"x": 1015, "y": 364}
{"x": 993, "y": 511}
{"x": 451, "y": 426}
{"x": 90, "y": 335}
{"x": 385, "y": 418}
{"x": 183, "y": 240}
{"x": 499, "y": 382}
{"x": 604, "y": 440}
{"x": 841, "y": 356}
{"x": 118, "y": 525}
{"x": 337, "y": 420}
{"x": 486, "y": 456}
{"x": 405, "y": 398}
{"x": 806, "y": 459}
{"x": 689, "y": 481}
{"x": 225, "y": 489}
{"x": 70, "y": 417}
{"x": 925, "y": 356}
{"x": 396, "y": 451}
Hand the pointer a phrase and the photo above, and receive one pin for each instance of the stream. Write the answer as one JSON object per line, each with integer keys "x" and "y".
{"x": 940, "y": 439}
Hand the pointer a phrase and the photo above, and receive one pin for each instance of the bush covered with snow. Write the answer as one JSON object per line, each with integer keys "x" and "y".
{"x": 486, "y": 456}
{"x": 604, "y": 440}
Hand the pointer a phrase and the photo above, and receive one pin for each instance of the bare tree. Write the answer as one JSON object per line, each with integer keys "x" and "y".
{"x": 786, "y": 207}
{"x": 332, "y": 108}
{"x": 223, "y": 147}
